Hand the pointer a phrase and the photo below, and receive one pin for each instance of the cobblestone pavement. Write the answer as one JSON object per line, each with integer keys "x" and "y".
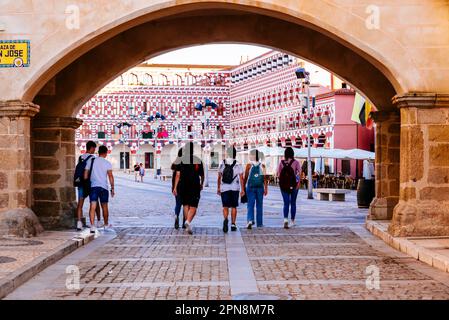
{"x": 328, "y": 256}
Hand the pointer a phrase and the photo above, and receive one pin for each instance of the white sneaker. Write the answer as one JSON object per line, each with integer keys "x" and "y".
{"x": 286, "y": 224}
{"x": 100, "y": 224}
{"x": 107, "y": 227}
{"x": 93, "y": 230}
{"x": 189, "y": 228}
{"x": 293, "y": 224}
{"x": 79, "y": 226}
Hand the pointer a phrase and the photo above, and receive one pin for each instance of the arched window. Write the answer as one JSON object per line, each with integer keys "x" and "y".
{"x": 133, "y": 79}
{"x": 148, "y": 79}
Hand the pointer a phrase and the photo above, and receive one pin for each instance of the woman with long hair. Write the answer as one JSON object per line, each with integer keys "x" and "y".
{"x": 289, "y": 174}
{"x": 256, "y": 184}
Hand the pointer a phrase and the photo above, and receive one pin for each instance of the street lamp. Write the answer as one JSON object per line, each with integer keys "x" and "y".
{"x": 156, "y": 120}
{"x": 206, "y": 125}
{"x": 123, "y": 140}
{"x": 304, "y": 76}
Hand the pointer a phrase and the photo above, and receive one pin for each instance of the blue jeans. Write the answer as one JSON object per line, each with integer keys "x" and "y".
{"x": 178, "y": 206}
{"x": 255, "y": 197}
{"x": 290, "y": 201}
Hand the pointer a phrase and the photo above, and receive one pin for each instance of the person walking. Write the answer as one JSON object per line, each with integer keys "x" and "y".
{"x": 98, "y": 171}
{"x": 289, "y": 173}
{"x": 190, "y": 179}
{"x": 141, "y": 172}
{"x": 79, "y": 182}
{"x": 230, "y": 187}
{"x": 136, "y": 172}
{"x": 256, "y": 184}
{"x": 178, "y": 206}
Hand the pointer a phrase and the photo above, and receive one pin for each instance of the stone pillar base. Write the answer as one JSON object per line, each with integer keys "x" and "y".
{"x": 382, "y": 208}
{"x": 20, "y": 222}
{"x": 420, "y": 218}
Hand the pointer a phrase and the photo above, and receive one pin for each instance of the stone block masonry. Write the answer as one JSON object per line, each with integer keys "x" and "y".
{"x": 423, "y": 208}
{"x": 54, "y": 198}
{"x": 15, "y": 170}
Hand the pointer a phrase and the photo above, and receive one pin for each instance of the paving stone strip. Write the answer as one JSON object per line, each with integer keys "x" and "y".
{"x": 157, "y": 284}
{"x": 241, "y": 275}
{"x": 154, "y": 259}
{"x": 341, "y": 282}
{"x": 290, "y": 258}
{"x": 163, "y": 245}
{"x": 319, "y": 244}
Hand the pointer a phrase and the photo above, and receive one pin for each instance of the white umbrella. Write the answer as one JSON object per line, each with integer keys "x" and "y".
{"x": 355, "y": 154}
{"x": 271, "y": 151}
{"x": 359, "y": 154}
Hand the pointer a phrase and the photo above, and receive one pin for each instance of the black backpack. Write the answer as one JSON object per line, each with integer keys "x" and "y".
{"x": 78, "y": 179}
{"x": 228, "y": 173}
{"x": 287, "y": 178}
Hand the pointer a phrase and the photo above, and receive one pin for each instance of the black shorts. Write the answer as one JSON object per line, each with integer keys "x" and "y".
{"x": 190, "y": 199}
{"x": 230, "y": 199}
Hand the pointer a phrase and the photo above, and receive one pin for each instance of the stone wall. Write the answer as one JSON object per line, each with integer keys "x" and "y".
{"x": 15, "y": 169}
{"x": 388, "y": 128}
{"x": 54, "y": 198}
{"x": 423, "y": 208}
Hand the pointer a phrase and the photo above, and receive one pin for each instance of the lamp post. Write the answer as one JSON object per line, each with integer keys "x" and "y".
{"x": 304, "y": 76}
{"x": 156, "y": 120}
{"x": 206, "y": 124}
{"x": 123, "y": 140}
{"x": 138, "y": 121}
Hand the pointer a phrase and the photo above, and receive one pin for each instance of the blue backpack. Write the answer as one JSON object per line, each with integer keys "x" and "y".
{"x": 78, "y": 179}
{"x": 256, "y": 178}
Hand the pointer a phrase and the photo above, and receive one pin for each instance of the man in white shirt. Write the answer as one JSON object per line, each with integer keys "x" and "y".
{"x": 230, "y": 187}
{"x": 101, "y": 171}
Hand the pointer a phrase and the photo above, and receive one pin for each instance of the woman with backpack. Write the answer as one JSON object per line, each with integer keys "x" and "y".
{"x": 289, "y": 173}
{"x": 256, "y": 185}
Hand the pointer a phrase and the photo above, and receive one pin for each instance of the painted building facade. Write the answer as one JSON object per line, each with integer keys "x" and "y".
{"x": 267, "y": 108}
{"x": 118, "y": 116}
{"x": 260, "y": 102}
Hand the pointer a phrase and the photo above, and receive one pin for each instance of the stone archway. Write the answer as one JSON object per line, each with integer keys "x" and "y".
{"x": 66, "y": 80}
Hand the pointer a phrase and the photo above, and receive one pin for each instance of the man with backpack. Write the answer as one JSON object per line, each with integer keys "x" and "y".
{"x": 230, "y": 186}
{"x": 289, "y": 173}
{"x": 256, "y": 188}
{"x": 98, "y": 171}
{"x": 80, "y": 183}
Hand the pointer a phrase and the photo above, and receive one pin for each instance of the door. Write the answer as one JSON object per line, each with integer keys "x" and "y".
{"x": 149, "y": 160}
{"x": 124, "y": 160}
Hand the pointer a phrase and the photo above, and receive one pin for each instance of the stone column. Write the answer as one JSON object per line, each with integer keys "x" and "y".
{"x": 16, "y": 217}
{"x": 423, "y": 208}
{"x": 388, "y": 129}
{"x": 54, "y": 198}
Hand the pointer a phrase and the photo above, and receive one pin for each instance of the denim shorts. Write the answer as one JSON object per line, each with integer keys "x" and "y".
{"x": 230, "y": 199}
{"x": 98, "y": 193}
{"x": 81, "y": 194}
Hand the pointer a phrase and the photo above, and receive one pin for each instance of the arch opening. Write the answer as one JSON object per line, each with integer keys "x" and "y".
{"x": 74, "y": 85}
